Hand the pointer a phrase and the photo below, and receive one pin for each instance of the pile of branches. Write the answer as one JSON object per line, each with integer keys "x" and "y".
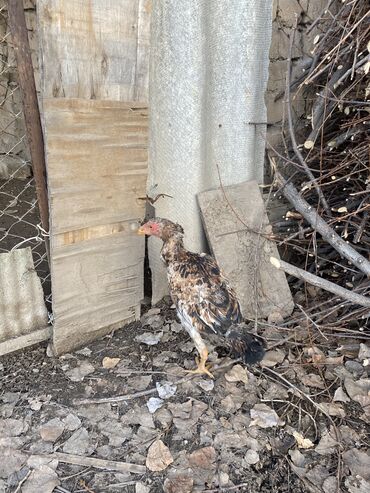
{"x": 326, "y": 174}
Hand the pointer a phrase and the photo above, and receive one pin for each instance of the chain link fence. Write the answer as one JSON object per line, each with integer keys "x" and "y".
{"x": 20, "y": 224}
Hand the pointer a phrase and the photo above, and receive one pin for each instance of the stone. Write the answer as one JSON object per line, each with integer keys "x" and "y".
{"x": 314, "y": 8}
{"x": 115, "y": 432}
{"x": 78, "y": 443}
{"x": 109, "y": 363}
{"x": 354, "y": 367}
{"x": 178, "y": 483}
{"x": 203, "y": 458}
{"x": 224, "y": 478}
{"x": 71, "y": 422}
{"x": 279, "y": 48}
{"x": 44, "y": 479}
{"x": 274, "y": 9}
{"x": 12, "y": 427}
{"x": 237, "y": 374}
{"x": 154, "y": 403}
{"x": 251, "y": 457}
{"x": 277, "y": 76}
{"x": 14, "y": 167}
{"x": 288, "y": 11}
{"x": 364, "y": 352}
{"x": 14, "y": 461}
{"x": 141, "y": 487}
{"x": 80, "y": 372}
{"x": 159, "y": 456}
{"x": 52, "y": 430}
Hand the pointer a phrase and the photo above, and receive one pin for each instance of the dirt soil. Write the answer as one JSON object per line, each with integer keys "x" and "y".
{"x": 297, "y": 423}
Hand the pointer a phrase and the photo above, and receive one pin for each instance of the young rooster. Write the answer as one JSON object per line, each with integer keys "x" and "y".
{"x": 205, "y": 302}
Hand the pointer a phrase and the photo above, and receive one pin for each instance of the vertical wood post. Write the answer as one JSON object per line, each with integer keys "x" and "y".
{"x": 18, "y": 29}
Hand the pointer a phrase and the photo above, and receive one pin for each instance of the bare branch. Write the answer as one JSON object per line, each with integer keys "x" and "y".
{"x": 310, "y": 214}
{"x": 356, "y": 298}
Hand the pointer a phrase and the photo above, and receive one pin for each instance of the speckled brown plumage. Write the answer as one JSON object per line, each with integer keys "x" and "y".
{"x": 206, "y": 304}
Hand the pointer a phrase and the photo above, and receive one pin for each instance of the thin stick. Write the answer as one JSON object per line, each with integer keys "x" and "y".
{"x": 79, "y": 473}
{"x": 136, "y": 395}
{"x": 112, "y": 465}
{"x": 318, "y": 19}
{"x": 118, "y": 398}
{"x": 327, "y": 57}
{"x": 361, "y": 228}
{"x": 120, "y": 485}
{"x": 297, "y": 152}
{"x": 83, "y": 485}
{"x": 281, "y": 342}
{"x": 303, "y": 394}
{"x": 312, "y": 321}
{"x": 22, "y": 481}
{"x": 59, "y": 489}
{"x": 228, "y": 488}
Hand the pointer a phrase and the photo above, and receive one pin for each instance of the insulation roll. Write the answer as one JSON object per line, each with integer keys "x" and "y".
{"x": 208, "y": 75}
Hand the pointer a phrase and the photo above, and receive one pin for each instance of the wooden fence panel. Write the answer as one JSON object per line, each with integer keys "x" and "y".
{"x": 96, "y": 155}
{"x": 95, "y": 49}
{"x": 95, "y": 56}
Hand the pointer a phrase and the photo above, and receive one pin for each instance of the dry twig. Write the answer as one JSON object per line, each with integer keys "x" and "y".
{"x": 110, "y": 465}
{"x": 308, "y": 212}
{"x": 291, "y": 129}
{"x": 143, "y": 393}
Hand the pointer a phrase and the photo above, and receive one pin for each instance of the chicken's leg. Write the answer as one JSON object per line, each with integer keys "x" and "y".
{"x": 202, "y": 350}
{"x": 201, "y": 363}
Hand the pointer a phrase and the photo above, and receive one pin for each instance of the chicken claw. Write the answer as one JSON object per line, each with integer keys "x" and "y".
{"x": 202, "y": 368}
{"x": 201, "y": 371}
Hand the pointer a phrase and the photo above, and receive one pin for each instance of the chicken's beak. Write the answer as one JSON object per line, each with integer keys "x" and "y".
{"x": 141, "y": 231}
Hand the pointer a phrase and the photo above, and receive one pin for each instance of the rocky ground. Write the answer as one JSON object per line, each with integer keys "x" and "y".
{"x": 297, "y": 423}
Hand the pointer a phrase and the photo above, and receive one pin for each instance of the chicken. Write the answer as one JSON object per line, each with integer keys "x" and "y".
{"x": 206, "y": 304}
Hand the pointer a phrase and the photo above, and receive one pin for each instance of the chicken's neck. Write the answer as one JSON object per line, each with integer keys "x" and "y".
{"x": 173, "y": 249}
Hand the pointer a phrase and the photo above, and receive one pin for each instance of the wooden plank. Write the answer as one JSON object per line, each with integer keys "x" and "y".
{"x": 19, "y": 34}
{"x": 97, "y": 164}
{"x": 97, "y": 287}
{"x": 95, "y": 49}
{"x": 24, "y": 341}
{"x": 97, "y": 161}
{"x": 242, "y": 254}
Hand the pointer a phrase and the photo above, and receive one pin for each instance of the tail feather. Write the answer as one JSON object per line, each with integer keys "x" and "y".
{"x": 246, "y": 346}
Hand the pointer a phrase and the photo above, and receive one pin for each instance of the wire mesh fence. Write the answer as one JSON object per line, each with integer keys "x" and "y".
{"x": 20, "y": 224}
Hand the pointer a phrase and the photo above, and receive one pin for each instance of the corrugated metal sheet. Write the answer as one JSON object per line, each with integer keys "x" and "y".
{"x": 22, "y": 307}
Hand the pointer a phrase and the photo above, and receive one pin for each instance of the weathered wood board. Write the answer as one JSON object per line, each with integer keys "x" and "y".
{"x": 95, "y": 49}
{"x": 232, "y": 226}
{"x": 21, "y": 342}
{"x": 95, "y": 63}
{"x": 96, "y": 153}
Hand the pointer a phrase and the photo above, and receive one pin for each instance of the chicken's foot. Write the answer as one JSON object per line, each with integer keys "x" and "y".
{"x": 202, "y": 368}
